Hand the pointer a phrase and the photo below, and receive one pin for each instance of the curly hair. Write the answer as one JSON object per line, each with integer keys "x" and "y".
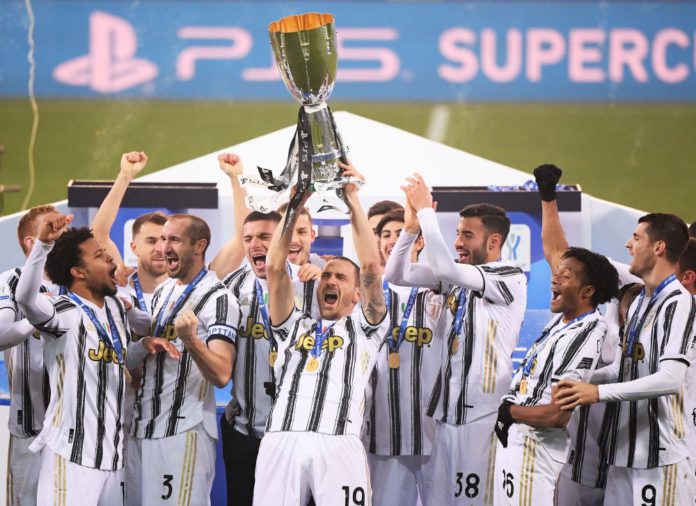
{"x": 66, "y": 254}
{"x": 597, "y": 272}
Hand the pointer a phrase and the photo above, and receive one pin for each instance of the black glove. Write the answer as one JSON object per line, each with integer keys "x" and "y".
{"x": 503, "y": 423}
{"x": 547, "y": 177}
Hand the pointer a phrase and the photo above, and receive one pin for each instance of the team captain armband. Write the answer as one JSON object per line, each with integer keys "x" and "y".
{"x": 224, "y": 332}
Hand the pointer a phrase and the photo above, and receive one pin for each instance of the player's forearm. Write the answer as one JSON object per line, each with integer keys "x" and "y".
{"x": 106, "y": 214}
{"x": 399, "y": 269}
{"x": 363, "y": 237}
{"x": 36, "y": 307}
{"x": 281, "y": 300}
{"x": 437, "y": 252}
{"x": 215, "y": 368}
{"x": 241, "y": 211}
{"x": 608, "y": 374}
{"x": 542, "y": 417}
{"x": 140, "y": 321}
{"x": 230, "y": 257}
{"x": 14, "y": 333}
{"x": 553, "y": 238}
{"x": 666, "y": 381}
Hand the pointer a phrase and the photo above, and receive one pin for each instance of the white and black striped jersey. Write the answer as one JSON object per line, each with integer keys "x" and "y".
{"x": 651, "y": 432}
{"x": 173, "y": 396}
{"x": 690, "y": 399}
{"x": 27, "y": 376}
{"x": 130, "y": 293}
{"x": 252, "y": 381}
{"x": 395, "y": 422}
{"x": 565, "y": 350}
{"x": 328, "y": 399}
{"x": 476, "y": 366}
{"x": 84, "y": 419}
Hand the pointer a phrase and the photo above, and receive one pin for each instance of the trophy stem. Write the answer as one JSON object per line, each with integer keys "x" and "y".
{"x": 326, "y": 152}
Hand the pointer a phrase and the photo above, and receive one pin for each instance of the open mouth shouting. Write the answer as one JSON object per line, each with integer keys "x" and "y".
{"x": 172, "y": 262}
{"x": 294, "y": 253}
{"x": 259, "y": 261}
{"x": 330, "y": 298}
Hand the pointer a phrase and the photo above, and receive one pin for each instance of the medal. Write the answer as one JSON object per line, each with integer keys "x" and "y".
{"x": 312, "y": 365}
{"x": 272, "y": 357}
{"x": 523, "y": 386}
{"x": 394, "y": 360}
{"x": 455, "y": 346}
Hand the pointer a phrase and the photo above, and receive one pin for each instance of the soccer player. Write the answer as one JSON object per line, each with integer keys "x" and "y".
{"x": 85, "y": 335}
{"x": 174, "y": 424}
{"x": 29, "y": 388}
{"x": 302, "y": 238}
{"x": 312, "y": 442}
{"x": 375, "y": 214}
{"x": 244, "y": 422}
{"x": 534, "y": 442}
{"x": 645, "y": 434}
{"x": 399, "y": 435}
{"x": 483, "y": 313}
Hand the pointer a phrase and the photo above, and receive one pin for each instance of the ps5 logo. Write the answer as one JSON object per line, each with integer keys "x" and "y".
{"x": 111, "y": 65}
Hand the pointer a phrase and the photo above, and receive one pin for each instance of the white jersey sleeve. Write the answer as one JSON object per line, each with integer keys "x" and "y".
{"x": 502, "y": 284}
{"x": 220, "y": 318}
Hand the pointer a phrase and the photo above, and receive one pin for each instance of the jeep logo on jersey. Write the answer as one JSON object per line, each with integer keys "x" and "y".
{"x": 331, "y": 343}
{"x": 638, "y": 351}
{"x": 169, "y": 332}
{"x": 103, "y": 354}
{"x": 253, "y": 329}
{"x": 419, "y": 335}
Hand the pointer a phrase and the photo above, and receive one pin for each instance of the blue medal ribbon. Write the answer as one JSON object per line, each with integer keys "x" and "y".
{"x": 114, "y": 343}
{"x": 319, "y": 338}
{"x": 387, "y": 294}
{"x": 263, "y": 309}
{"x": 62, "y": 290}
{"x": 459, "y": 317}
{"x": 139, "y": 292}
{"x": 637, "y": 323}
{"x": 394, "y": 346}
{"x": 539, "y": 346}
{"x": 159, "y": 327}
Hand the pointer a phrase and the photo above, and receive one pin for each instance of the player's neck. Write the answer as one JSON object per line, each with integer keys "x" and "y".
{"x": 149, "y": 282}
{"x": 84, "y": 292}
{"x": 571, "y": 314}
{"x": 493, "y": 256}
{"x": 657, "y": 275}
{"x": 196, "y": 267}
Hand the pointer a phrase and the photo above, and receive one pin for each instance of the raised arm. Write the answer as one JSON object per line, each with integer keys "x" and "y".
{"x": 281, "y": 300}
{"x": 131, "y": 165}
{"x": 38, "y": 308}
{"x": 231, "y": 255}
{"x": 373, "y": 304}
{"x": 553, "y": 238}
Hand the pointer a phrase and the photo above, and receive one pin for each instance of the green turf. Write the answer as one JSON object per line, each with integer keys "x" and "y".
{"x": 639, "y": 155}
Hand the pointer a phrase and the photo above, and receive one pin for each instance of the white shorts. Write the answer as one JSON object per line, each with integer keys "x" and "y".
{"x": 525, "y": 473}
{"x": 63, "y": 483}
{"x": 177, "y": 470}
{"x": 133, "y": 465}
{"x": 672, "y": 485}
{"x": 570, "y": 493}
{"x": 460, "y": 468}
{"x": 397, "y": 480}
{"x": 290, "y": 465}
{"x": 23, "y": 468}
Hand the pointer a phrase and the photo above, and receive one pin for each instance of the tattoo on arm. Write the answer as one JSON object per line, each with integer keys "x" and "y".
{"x": 374, "y": 306}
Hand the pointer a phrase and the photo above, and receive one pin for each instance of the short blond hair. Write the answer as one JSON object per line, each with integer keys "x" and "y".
{"x": 27, "y": 226}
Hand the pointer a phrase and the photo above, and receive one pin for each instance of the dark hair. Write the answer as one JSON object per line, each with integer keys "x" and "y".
{"x": 27, "y": 223}
{"x": 493, "y": 218}
{"x": 197, "y": 228}
{"x": 66, "y": 254}
{"x": 670, "y": 229}
{"x": 156, "y": 218}
{"x": 393, "y": 215}
{"x": 597, "y": 272}
{"x": 382, "y": 207}
{"x": 687, "y": 260}
{"x": 356, "y": 267}
{"x": 273, "y": 216}
{"x": 692, "y": 229}
{"x": 303, "y": 210}
{"x": 628, "y": 287}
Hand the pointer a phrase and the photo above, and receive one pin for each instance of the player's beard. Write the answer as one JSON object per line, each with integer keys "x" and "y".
{"x": 479, "y": 255}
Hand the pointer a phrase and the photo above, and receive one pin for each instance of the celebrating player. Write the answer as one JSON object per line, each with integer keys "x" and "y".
{"x": 312, "y": 441}
{"x": 644, "y": 429}
{"x": 532, "y": 430}
{"x": 399, "y": 435}
{"x": 485, "y": 305}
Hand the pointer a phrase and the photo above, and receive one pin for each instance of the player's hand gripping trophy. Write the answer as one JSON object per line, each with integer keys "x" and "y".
{"x": 304, "y": 47}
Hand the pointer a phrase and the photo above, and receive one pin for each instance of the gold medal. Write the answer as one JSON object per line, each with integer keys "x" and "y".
{"x": 523, "y": 386}
{"x": 394, "y": 360}
{"x": 312, "y": 364}
{"x": 455, "y": 345}
{"x": 272, "y": 357}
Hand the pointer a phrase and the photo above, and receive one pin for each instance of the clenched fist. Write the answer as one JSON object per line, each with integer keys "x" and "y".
{"x": 186, "y": 326}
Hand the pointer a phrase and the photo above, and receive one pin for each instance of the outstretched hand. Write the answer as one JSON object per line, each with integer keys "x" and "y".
{"x": 132, "y": 163}
{"x": 155, "y": 345}
{"x": 231, "y": 164}
{"x": 350, "y": 171}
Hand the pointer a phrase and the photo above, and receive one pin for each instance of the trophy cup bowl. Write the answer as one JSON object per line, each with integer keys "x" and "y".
{"x": 304, "y": 47}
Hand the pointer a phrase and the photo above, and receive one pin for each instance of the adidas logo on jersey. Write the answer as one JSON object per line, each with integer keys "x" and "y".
{"x": 253, "y": 329}
{"x": 421, "y": 336}
{"x": 103, "y": 354}
{"x": 331, "y": 343}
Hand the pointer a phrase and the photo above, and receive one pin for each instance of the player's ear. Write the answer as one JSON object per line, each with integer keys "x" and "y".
{"x": 78, "y": 273}
{"x": 587, "y": 292}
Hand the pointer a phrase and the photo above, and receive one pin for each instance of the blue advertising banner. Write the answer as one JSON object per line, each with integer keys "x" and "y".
{"x": 475, "y": 51}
